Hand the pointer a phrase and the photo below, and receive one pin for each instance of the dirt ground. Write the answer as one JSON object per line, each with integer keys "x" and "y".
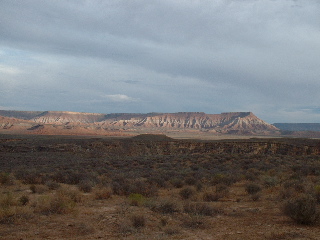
{"x": 38, "y": 209}
{"x": 239, "y": 218}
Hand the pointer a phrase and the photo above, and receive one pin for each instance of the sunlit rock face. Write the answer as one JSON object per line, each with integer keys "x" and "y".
{"x": 224, "y": 123}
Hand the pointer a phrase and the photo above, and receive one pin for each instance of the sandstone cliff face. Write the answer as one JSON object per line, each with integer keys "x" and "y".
{"x": 236, "y": 122}
{"x": 57, "y": 117}
{"x": 224, "y": 122}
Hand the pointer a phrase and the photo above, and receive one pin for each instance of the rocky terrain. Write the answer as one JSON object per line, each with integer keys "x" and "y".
{"x": 154, "y": 145}
{"x": 65, "y": 123}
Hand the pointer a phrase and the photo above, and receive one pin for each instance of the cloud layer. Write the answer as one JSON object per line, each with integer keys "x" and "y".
{"x": 162, "y": 56}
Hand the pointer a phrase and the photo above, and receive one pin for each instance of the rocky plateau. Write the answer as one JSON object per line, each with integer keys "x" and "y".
{"x": 76, "y": 123}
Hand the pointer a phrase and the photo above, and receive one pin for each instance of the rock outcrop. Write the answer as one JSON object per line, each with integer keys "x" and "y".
{"x": 224, "y": 123}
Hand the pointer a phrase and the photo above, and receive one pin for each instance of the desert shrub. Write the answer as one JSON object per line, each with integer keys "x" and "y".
{"x": 255, "y": 197}
{"x": 286, "y": 193}
{"x": 136, "y": 199}
{"x": 10, "y": 211}
{"x": 165, "y": 206}
{"x": 61, "y": 202}
{"x": 270, "y": 181}
{"x": 124, "y": 227}
{"x": 158, "y": 180}
{"x": 191, "y": 181}
{"x": 186, "y": 192}
{"x": 74, "y": 194}
{"x": 102, "y": 193}
{"x": 29, "y": 176}
{"x": 74, "y": 177}
{"x": 164, "y": 221}
{"x": 296, "y": 184}
{"x": 252, "y": 174}
{"x": 38, "y": 188}
{"x": 12, "y": 214}
{"x": 120, "y": 186}
{"x": 138, "y": 221}
{"x": 194, "y": 222}
{"x": 83, "y": 229}
{"x": 24, "y": 200}
{"x": 218, "y": 178}
{"x": 222, "y": 189}
{"x": 52, "y": 185}
{"x": 85, "y": 186}
{"x": 199, "y": 186}
{"x": 252, "y": 188}
{"x": 7, "y": 215}
{"x": 170, "y": 230}
{"x": 144, "y": 188}
{"x": 177, "y": 182}
{"x": 7, "y": 200}
{"x": 6, "y": 178}
{"x": 200, "y": 209}
{"x": 210, "y": 196}
{"x": 317, "y": 193}
{"x": 302, "y": 209}
{"x": 222, "y": 178}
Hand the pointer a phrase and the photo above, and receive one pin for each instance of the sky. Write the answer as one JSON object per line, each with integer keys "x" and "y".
{"x": 140, "y": 56}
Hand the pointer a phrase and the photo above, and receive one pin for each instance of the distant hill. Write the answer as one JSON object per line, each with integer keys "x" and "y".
{"x": 53, "y": 122}
{"x": 315, "y": 127}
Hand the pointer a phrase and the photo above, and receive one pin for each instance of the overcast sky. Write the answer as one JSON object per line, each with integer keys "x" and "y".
{"x": 145, "y": 56}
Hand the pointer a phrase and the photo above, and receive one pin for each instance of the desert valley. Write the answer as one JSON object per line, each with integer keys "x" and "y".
{"x": 67, "y": 175}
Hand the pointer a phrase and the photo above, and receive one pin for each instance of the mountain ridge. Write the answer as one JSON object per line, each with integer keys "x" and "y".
{"x": 65, "y": 122}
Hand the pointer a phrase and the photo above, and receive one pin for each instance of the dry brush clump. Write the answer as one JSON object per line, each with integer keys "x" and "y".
{"x": 252, "y": 188}
{"x": 302, "y": 209}
{"x": 186, "y": 192}
{"x": 102, "y": 193}
{"x": 203, "y": 209}
{"x": 39, "y": 188}
{"x": 7, "y": 178}
{"x": 195, "y": 222}
{"x": 138, "y": 221}
{"x": 213, "y": 194}
{"x": 12, "y": 210}
{"x": 164, "y": 206}
{"x": 61, "y": 202}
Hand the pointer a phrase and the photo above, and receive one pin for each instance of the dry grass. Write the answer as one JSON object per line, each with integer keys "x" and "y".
{"x": 208, "y": 196}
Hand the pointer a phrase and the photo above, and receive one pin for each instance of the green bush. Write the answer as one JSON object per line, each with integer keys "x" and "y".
{"x": 136, "y": 199}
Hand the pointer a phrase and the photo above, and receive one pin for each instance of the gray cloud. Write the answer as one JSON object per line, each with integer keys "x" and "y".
{"x": 210, "y": 56}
